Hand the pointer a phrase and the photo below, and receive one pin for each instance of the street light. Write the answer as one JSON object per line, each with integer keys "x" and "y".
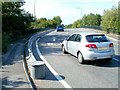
{"x": 80, "y": 10}
{"x": 34, "y": 8}
{"x": 34, "y": 14}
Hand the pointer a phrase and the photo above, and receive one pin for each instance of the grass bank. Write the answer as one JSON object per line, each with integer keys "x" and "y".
{"x": 9, "y": 38}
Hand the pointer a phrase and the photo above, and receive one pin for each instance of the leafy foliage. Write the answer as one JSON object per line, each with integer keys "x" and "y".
{"x": 110, "y": 20}
{"x": 15, "y": 22}
{"x": 15, "y": 19}
{"x": 44, "y": 23}
{"x": 119, "y": 17}
{"x": 57, "y": 20}
{"x": 87, "y": 20}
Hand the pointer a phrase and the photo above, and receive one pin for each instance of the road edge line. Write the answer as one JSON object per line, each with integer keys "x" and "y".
{"x": 58, "y": 77}
{"x": 113, "y": 38}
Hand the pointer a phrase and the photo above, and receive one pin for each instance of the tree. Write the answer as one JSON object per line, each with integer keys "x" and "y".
{"x": 41, "y": 23}
{"x": 57, "y": 20}
{"x": 15, "y": 22}
{"x": 51, "y": 23}
{"x": 15, "y": 19}
{"x": 119, "y": 17}
{"x": 110, "y": 20}
{"x": 91, "y": 20}
{"x": 76, "y": 24}
{"x": 88, "y": 20}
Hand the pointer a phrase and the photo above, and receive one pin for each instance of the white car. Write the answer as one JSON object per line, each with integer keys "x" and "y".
{"x": 88, "y": 46}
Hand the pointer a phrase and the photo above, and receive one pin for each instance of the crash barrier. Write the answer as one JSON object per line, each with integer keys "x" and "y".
{"x": 36, "y": 68}
{"x": 25, "y": 66}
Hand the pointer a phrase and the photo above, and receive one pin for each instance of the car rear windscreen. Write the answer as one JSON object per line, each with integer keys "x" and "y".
{"x": 96, "y": 38}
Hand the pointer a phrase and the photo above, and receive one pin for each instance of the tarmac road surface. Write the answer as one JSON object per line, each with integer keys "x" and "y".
{"x": 75, "y": 75}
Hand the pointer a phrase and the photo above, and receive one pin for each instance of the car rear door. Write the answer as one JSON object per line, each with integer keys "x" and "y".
{"x": 70, "y": 43}
{"x": 77, "y": 44}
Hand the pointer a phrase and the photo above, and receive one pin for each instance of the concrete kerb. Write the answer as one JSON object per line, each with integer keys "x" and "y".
{"x": 29, "y": 58}
{"x": 26, "y": 62}
{"x": 26, "y": 70}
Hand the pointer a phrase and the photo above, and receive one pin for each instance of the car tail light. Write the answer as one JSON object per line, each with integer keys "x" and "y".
{"x": 91, "y": 46}
{"x": 111, "y": 45}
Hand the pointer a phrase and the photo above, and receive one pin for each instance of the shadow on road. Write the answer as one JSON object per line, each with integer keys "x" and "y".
{"x": 49, "y": 47}
{"x": 6, "y": 83}
{"x": 104, "y": 63}
{"x": 50, "y": 76}
{"x": 15, "y": 56}
{"x": 12, "y": 61}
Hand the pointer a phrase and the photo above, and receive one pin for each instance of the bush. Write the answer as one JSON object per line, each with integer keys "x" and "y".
{"x": 5, "y": 42}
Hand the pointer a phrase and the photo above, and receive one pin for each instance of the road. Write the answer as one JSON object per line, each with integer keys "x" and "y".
{"x": 63, "y": 70}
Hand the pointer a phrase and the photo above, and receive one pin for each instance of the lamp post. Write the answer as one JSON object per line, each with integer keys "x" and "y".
{"x": 34, "y": 13}
{"x": 34, "y": 8}
{"x": 80, "y": 10}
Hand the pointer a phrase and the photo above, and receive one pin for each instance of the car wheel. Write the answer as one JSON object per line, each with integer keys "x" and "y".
{"x": 80, "y": 58}
{"x": 63, "y": 49}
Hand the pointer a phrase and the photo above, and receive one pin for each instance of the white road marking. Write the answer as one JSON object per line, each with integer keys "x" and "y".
{"x": 54, "y": 39}
{"x": 58, "y": 77}
{"x": 113, "y": 38}
{"x": 116, "y": 59}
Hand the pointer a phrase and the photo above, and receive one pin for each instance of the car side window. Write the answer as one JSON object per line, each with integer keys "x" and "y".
{"x": 72, "y": 38}
{"x": 78, "y": 38}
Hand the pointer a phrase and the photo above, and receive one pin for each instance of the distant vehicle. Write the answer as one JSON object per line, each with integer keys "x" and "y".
{"x": 60, "y": 28}
{"x": 88, "y": 46}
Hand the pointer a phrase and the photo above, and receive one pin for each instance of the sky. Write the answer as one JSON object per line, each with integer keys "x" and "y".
{"x": 68, "y": 10}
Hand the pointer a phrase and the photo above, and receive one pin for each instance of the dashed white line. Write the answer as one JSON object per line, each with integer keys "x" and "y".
{"x": 58, "y": 77}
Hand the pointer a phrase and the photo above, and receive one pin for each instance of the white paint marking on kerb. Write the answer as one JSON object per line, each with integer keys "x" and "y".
{"x": 58, "y": 77}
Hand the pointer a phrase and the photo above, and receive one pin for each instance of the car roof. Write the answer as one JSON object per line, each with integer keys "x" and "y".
{"x": 60, "y": 26}
{"x": 88, "y": 33}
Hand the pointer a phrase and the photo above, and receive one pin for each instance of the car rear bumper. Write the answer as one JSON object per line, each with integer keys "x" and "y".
{"x": 60, "y": 30}
{"x": 96, "y": 56}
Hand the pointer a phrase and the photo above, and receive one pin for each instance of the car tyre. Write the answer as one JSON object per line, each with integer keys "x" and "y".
{"x": 80, "y": 58}
{"x": 63, "y": 50}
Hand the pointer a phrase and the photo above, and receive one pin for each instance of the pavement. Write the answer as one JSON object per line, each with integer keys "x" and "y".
{"x": 12, "y": 71}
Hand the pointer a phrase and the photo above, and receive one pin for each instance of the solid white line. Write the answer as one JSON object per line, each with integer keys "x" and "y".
{"x": 113, "y": 38}
{"x": 116, "y": 59}
{"x": 58, "y": 77}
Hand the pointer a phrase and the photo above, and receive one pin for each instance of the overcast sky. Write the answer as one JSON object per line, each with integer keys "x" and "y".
{"x": 68, "y": 10}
